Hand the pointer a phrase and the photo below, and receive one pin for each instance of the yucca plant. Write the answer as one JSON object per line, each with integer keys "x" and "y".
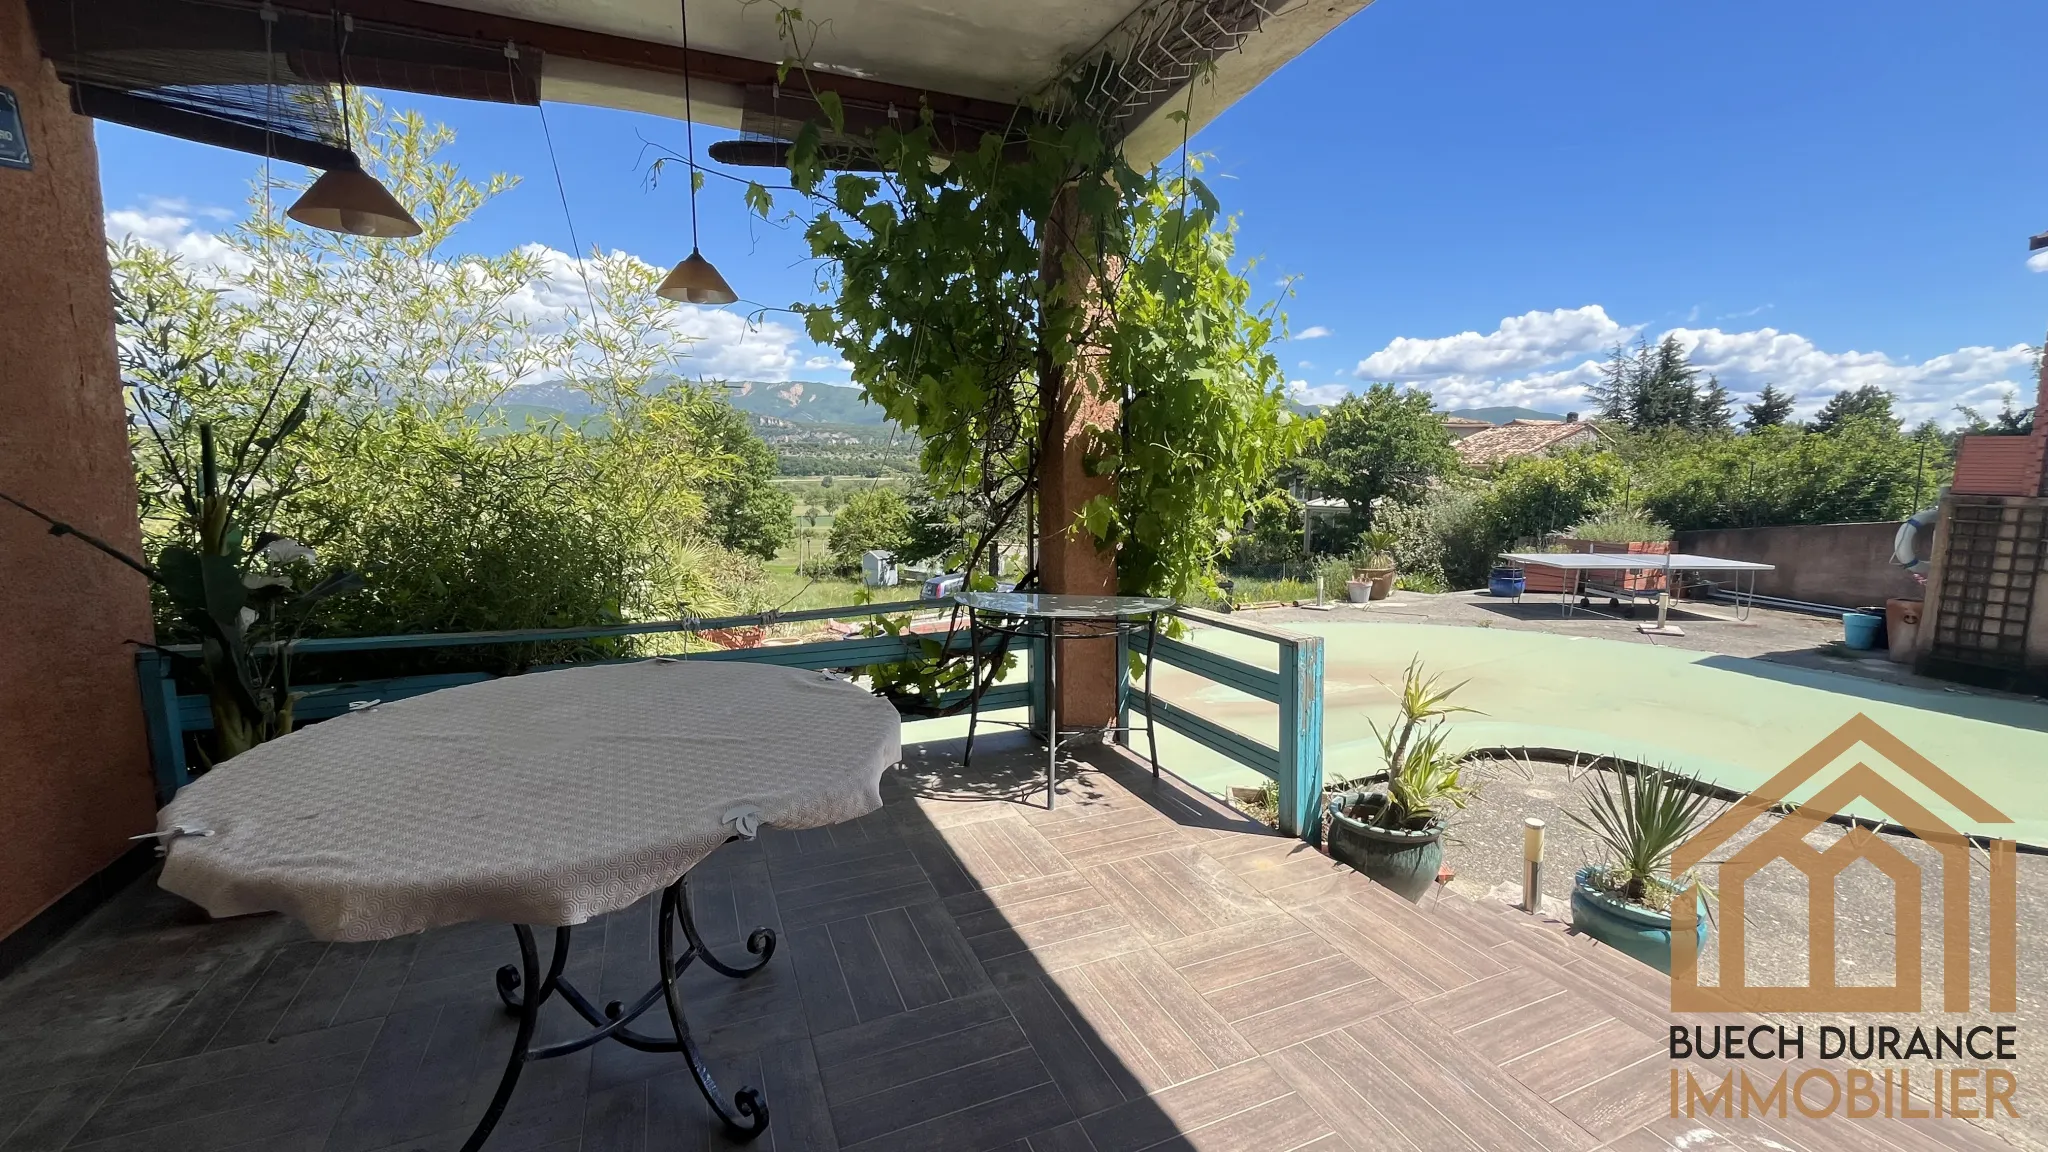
{"x": 1641, "y": 818}
{"x": 1425, "y": 782}
{"x": 1375, "y": 549}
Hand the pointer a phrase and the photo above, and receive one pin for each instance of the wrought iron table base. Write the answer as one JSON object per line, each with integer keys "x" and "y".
{"x": 745, "y": 1117}
{"x": 1090, "y": 629}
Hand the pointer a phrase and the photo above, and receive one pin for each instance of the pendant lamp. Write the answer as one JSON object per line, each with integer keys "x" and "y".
{"x": 350, "y": 200}
{"x": 694, "y": 281}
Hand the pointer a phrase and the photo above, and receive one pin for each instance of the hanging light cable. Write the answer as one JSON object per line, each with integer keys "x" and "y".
{"x": 349, "y": 200}
{"x": 694, "y": 281}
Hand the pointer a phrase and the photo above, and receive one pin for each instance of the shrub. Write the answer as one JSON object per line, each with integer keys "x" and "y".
{"x": 1863, "y": 470}
{"x": 1449, "y": 538}
{"x": 1335, "y": 573}
{"x": 656, "y": 504}
{"x": 1534, "y": 496}
{"x": 457, "y": 531}
{"x": 1271, "y": 536}
{"x": 873, "y": 518}
{"x": 1620, "y": 526}
{"x": 1443, "y": 540}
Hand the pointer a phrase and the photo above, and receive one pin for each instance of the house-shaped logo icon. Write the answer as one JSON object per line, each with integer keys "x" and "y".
{"x": 1786, "y": 840}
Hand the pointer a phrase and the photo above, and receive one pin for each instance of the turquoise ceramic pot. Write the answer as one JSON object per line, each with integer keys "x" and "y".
{"x": 1637, "y": 931}
{"x": 1400, "y": 860}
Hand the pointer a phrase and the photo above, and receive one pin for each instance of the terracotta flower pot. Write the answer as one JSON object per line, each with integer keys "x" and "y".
{"x": 1380, "y": 580}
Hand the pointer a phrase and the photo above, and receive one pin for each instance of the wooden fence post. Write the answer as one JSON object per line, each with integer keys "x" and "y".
{"x": 1301, "y": 738}
{"x": 161, "y": 719}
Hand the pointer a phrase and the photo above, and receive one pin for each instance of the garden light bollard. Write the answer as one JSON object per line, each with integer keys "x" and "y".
{"x": 1532, "y": 864}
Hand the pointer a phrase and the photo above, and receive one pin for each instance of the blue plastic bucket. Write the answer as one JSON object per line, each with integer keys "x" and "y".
{"x": 1505, "y": 581}
{"x": 1860, "y": 630}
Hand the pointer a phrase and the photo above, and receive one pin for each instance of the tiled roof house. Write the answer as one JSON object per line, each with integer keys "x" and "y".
{"x": 1524, "y": 438}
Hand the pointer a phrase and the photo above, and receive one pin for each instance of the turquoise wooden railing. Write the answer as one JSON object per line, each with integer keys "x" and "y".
{"x": 1297, "y": 687}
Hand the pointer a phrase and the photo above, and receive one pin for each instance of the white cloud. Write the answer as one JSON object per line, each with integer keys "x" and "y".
{"x": 1520, "y": 344}
{"x": 1312, "y": 332}
{"x": 1303, "y": 392}
{"x": 831, "y": 363}
{"x": 1928, "y": 390}
{"x": 2039, "y": 261}
{"x": 167, "y": 224}
{"x": 1546, "y": 360}
{"x": 720, "y": 343}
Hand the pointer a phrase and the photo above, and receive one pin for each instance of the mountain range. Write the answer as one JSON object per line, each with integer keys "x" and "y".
{"x": 796, "y": 401}
{"x": 812, "y": 402}
{"x": 1503, "y": 415}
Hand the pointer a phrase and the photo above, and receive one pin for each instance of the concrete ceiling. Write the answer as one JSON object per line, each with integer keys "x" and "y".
{"x": 991, "y": 49}
{"x": 979, "y": 65}
{"x": 1000, "y": 52}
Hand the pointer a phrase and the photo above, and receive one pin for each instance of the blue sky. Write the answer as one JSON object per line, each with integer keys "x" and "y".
{"x": 1476, "y": 196}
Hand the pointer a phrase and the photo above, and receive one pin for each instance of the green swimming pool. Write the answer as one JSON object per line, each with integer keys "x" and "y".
{"x": 1731, "y": 720}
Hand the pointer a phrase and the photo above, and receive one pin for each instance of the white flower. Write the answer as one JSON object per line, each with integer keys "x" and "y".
{"x": 255, "y": 580}
{"x": 285, "y": 550}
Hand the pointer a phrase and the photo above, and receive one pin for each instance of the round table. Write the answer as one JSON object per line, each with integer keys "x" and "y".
{"x": 536, "y": 800}
{"x": 1051, "y": 618}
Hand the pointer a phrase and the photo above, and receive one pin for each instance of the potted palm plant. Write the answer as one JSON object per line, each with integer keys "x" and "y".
{"x": 1395, "y": 836}
{"x": 1639, "y": 818}
{"x": 1372, "y": 564}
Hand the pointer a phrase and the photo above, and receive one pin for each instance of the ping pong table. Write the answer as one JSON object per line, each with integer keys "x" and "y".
{"x": 1577, "y": 566}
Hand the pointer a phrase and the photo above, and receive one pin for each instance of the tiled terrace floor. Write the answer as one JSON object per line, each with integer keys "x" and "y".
{"x": 1136, "y": 969}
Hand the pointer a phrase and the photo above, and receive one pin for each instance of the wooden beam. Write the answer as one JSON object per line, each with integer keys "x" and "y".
{"x": 641, "y": 55}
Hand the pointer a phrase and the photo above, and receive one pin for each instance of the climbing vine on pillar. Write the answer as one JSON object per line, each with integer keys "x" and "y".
{"x": 936, "y": 266}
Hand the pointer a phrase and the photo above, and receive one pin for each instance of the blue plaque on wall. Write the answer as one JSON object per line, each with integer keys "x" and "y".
{"x": 13, "y": 137}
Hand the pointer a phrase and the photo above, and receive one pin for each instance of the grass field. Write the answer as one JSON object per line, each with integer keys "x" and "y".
{"x": 794, "y": 589}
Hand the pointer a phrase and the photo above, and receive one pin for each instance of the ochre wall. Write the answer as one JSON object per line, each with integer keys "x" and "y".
{"x": 74, "y": 769}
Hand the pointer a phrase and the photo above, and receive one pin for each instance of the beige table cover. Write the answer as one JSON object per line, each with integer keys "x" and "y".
{"x": 542, "y": 799}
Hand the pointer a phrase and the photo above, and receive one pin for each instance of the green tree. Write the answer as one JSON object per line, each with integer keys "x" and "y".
{"x": 2007, "y": 421}
{"x": 1615, "y": 389}
{"x": 939, "y": 529}
{"x": 1654, "y": 386}
{"x": 872, "y": 518}
{"x": 406, "y": 469}
{"x": 748, "y": 512}
{"x": 1771, "y": 409}
{"x": 1533, "y": 496}
{"x": 1385, "y": 443}
{"x": 1665, "y": 393}
{"x": 1271, "y": 535}
{"x": 1867, "y": 402}
{"x": 1715, "y": 410}
{"x": 1861, "y": 471}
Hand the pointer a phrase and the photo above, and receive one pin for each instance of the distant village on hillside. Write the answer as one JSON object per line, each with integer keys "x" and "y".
{"x": 821, "y": 429}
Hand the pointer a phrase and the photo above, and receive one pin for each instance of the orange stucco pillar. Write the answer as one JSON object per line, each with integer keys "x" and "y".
{"x": 1081, "y": 412}
{"x": 74, "y": 766}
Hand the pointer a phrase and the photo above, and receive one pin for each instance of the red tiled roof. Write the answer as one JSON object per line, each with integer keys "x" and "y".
{"x": 1521, "y": 438}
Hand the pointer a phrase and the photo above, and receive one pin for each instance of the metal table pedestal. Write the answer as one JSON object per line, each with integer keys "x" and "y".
{"x": 1054, "y": 619}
